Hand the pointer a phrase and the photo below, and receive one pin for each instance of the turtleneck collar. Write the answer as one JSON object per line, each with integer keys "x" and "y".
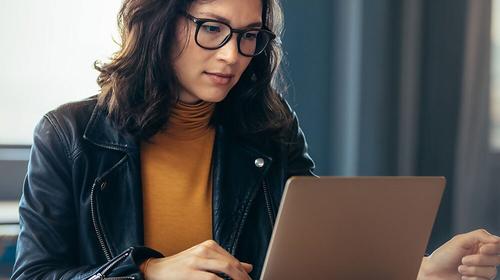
{"x": 189, "y": 121}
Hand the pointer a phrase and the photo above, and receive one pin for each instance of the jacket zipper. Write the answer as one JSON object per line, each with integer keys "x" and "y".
{"x": 243, "y": 219}
{"x": 119, "y": 258}
{"x": 98, "y": 230}
{"x": 99, "y": 276}
{"x": 101, "y": 236}
{"x": 268, "y": 203}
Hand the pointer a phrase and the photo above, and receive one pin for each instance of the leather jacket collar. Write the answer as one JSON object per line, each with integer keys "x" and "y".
{"x": 101, "y": 132}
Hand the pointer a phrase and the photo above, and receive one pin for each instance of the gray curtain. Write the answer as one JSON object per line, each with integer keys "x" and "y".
{"x": 477, "y": 192}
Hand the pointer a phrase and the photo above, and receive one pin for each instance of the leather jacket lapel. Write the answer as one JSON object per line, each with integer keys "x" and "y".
{"x": 101, "y": 132}
{"x": 238, "y": 173}
{"x": 116, "y": 195}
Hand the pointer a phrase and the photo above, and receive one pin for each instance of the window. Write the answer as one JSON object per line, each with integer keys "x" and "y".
{"x": 495, "y": 72}
{"x": 46, "y": 58}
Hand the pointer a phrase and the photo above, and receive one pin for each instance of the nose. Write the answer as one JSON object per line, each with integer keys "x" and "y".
{"x": 229, "y": 52}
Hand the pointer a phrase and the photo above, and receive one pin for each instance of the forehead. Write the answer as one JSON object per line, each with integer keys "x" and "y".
{"x": 238, "y": 12}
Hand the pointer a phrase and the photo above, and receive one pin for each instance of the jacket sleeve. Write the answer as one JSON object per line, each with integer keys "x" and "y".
{"x": 299, "y": 161}
{"x": 47, "y": 246}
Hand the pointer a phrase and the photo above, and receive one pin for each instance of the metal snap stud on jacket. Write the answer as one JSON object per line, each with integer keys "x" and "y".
{"x": 259, "y": 162}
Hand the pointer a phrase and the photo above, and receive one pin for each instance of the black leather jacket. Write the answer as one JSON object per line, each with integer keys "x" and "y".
{"x": 81, "y": 208}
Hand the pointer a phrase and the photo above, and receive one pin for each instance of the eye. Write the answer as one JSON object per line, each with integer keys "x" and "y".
{"x": 251, "y": 35}
{"x": 211, "y": 28}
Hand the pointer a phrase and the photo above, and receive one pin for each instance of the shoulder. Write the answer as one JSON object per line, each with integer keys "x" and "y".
{"x": 297, "y": 151}
{"x": 78, "y": 111}
{"x": 67, "y": 123}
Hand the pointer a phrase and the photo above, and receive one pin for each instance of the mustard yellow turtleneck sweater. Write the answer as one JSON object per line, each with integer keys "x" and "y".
{"x": 176, "y": 180}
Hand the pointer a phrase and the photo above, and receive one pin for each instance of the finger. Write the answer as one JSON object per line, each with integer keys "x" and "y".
{"x": 203, "y": 275}
{"x": 211, "y": 244}
{"x": 487, "y": 272}
{"x": 248, "y": 267}
{"x": 219, "y": 266}
{"x": 473, "y": 278}
{"x": 490, "y": 249}
{"x": 209, "y": 254}
{"x": 481, "y": 260}
{"x": 472, "y": 239}
{"x": 210, "y": 250}
{"x": 481, "y": 235}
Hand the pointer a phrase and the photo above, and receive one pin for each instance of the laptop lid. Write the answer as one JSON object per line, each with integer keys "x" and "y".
{"x": 352, "y": 227}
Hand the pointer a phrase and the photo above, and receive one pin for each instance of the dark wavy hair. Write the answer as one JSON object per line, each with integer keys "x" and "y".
{"x": 139, "y": 85}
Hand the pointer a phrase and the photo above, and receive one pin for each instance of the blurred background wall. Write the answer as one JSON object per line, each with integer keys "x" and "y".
{"x": 384, "y": 87}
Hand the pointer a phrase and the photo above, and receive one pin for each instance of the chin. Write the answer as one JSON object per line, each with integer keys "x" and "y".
{"x": 214, "y": 97}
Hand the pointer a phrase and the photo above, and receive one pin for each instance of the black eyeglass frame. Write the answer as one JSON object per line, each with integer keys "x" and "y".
{"x": 200, "y": 21}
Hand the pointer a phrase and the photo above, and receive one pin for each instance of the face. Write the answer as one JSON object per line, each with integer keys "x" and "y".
{"x": 209, "y": 75}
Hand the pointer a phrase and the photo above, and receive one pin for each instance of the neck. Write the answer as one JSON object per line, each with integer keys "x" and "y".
{"x": 187, "y": 98}
{"x": 190, "y": 120}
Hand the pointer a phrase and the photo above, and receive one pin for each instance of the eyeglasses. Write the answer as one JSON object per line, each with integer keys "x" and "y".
{"x": 212, "y": 34}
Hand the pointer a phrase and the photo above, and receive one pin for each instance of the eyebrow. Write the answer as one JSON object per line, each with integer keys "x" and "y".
{"x": 225, "y": 20}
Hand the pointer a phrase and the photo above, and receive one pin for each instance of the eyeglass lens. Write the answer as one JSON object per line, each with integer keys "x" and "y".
{"x": 213, "y": 35}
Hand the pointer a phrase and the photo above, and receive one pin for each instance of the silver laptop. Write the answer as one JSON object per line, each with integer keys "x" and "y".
{"x": 353, "y": 228}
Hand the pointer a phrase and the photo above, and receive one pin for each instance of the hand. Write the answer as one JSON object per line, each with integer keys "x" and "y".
{"x": 468, "y": 256}
{"x": 203, "y": 261}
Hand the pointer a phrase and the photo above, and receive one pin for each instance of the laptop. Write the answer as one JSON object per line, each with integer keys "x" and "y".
{"x": 352, "y": 228}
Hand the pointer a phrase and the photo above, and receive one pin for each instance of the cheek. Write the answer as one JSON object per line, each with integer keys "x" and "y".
{"x": 191, "y": 62}
{"x": 244, "y": 65}
{"x": 246, "y": 62}
{"x": 187, "y": 59}
{"x": 184, "y": 50}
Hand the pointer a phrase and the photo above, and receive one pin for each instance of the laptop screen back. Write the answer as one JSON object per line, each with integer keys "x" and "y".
{"x": 353, "y": 227}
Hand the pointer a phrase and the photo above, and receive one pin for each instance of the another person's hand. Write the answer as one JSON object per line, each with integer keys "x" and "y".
{"x": 468, "y": 256}
{"x": 203, "y": 261}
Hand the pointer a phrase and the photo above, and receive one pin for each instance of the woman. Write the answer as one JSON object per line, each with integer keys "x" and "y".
{"x": 176, "y": 169}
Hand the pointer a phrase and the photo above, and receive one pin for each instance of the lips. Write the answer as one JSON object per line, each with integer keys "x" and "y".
{"x": 219, "y": 78}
